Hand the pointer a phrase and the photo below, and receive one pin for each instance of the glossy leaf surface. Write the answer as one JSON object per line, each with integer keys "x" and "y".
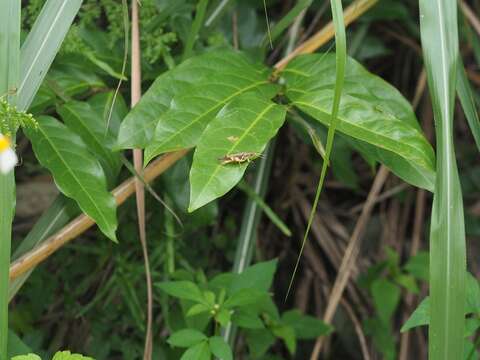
{"x": 76, "y": 172}
{"x": 81, "y": 118}
{"x": 371, "y": 111}
{"x": 245, "y": 125}
{"x": 191, "y": 110}
{"x": 206, "y": 71}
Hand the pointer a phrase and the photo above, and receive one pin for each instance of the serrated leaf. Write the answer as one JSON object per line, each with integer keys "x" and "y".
{"x": 220, "y": 348}
{"x": 186, "y": 338}
{"x": 371, "y": 110}
{"x": 84, "y": 121}
{"x": 191, "y": 110}
{"x": 77, "y": 173}
{"x": 244, "y": 125}
{"x": 139, "y": 126}
{"x": 198, "y": 352}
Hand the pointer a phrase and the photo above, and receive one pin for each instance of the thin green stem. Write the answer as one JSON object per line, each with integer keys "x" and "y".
{"x": 9, "y": 65}
{"x": 196, "y": 26}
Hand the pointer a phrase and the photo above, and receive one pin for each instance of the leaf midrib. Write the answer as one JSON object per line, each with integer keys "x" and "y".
{"x": 73, "y": 174}
{"x": 199, "y": 117}
{"x": 356, "y": 126}
{"x": 237, "y": 143}
{"x": 106, "y": 154}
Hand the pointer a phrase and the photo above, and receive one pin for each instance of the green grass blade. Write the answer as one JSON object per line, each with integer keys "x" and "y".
{"x": 42, "y": 44}
{"x": 274, "y": 218}
{"x": 217, "y": 12}
{"x": 341, "y": 60}
{"x": 52, "y": 220}
{"x": 465, "y": 95}
{"x": 196, "y": 26}
{"x": 285, "y": 22}
{"x": 439, "y": 33}
{"x": 9, "y": 67}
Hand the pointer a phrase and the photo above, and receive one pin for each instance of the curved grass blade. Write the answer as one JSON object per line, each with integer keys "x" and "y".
{"x": 42, "y": 44}
{"x": 274, "y": 218}
{"x": 464, "y": 92}
{"x": 9, "y": 75}
{"x": 439, "y": 34}
{"x": 372, "y": 112}
{"x": 196, "y": 26}
{"x": 57, "y": 215}
{"x": 279, "y": 27}
{"x": 341, "y": 60}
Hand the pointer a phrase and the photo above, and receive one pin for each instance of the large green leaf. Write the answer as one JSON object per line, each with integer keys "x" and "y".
{"x": 371, "y": 111}
{"x": 192, "y": 109}
{"x": 439, "y": 34}
{"x": 138, "y": 127}
{"x": 244, "y": 125}
{"x": 76, "y": 172}
{"x": 84, "y": 121}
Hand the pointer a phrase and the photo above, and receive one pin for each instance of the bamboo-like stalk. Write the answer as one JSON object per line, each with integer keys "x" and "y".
{"x": 136, "y": 94}
{"x": 82, "y": 223}
{"x": 156, "y": 168}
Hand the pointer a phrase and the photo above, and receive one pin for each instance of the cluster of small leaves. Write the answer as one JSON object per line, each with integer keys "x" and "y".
{"x": 11, "y": 118}
{"x": 241, "y": 300}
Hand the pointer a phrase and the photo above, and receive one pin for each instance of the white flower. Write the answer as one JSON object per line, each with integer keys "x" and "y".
{"x": 8, "y": 158}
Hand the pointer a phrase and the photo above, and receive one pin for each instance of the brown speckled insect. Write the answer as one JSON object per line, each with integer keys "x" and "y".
{"x": 239, "y": 158}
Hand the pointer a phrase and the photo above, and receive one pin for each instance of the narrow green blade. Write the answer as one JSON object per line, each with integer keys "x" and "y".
{"x": 465, "y": 95}
{"x": 42, "y": 45}
{"x": 340, "y": 61}
{"x": 439, "y": 33}
{"x": 9, "y": 61}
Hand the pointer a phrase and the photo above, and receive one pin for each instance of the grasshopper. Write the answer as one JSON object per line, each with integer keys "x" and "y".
{"x": 239, "y": 158}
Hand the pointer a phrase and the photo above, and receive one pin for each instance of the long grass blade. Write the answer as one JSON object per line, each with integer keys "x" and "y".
{"x": 196, "y": 26}
{"x": 341, "y": 60}
{"x": 9, "y": 68}
{"x": 57, "y": 215}
{"x": 285, "y": 22}
{"x": 439, "y": 34}
{"x": 42, "y": 45}
{"x": 465, "y": 95}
